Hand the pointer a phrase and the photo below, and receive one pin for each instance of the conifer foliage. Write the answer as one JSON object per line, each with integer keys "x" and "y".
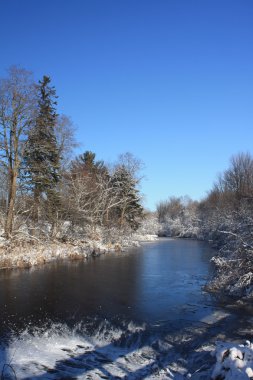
{"x": 42, "y": 153}
{"x": 129, "y": 210}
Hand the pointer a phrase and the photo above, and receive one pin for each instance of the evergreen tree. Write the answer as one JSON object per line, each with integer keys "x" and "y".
{"x": 42, "y": 161}
{"x": 129, "y": 210}
{"x": 85, "y": 164}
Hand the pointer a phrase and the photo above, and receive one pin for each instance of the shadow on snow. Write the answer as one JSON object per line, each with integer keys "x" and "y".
{"x": 144, "y": 352}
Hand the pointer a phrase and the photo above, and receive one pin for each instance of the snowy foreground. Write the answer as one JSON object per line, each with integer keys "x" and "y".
{"x": 108, "y": 352}
{"x": 234, "y": 361}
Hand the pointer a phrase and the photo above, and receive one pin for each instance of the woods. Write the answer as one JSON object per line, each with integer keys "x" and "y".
{"x": 46, "y": 195}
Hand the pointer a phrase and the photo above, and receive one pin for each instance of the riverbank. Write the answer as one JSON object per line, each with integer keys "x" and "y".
{"x": 26, "y": 254}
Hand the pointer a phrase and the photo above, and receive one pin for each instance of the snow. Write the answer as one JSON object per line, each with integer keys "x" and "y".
{"x": 233, "y": 361}
{"x": 31, "y": 255}
{"x": 124, "y": 352}
{"x": 78, "y": 246}
{"x": 214, "y": 317}
{"x": 106, "y": 351}
{"x": 60, "y": 352}
{"x": 146, "y": 237}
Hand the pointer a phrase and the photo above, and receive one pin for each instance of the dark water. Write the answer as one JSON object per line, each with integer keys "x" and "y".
{"x": 160, "y": 281}
{"x": 135, "y": 315}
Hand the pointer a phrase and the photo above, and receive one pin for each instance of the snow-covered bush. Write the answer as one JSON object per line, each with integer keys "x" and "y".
{"x": 226, "y": 220}
{"x": 149, "y": 225}
{"x": 234, "y": 261}
{"x": 233, "y": 361}
{"x": 178, "y": 217}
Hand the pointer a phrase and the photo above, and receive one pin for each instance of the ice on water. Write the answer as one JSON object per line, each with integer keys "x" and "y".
{"x": 109, "y": 353}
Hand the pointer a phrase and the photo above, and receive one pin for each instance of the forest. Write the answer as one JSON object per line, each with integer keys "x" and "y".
{"x": 46, "y": 194}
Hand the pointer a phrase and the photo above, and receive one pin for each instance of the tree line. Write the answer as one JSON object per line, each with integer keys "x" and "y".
{"x": 225, "y": 219}
{"x": 44, "y": 193}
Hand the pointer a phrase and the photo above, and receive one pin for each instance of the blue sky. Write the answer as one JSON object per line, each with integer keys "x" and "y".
{"x": 170, "y": 81}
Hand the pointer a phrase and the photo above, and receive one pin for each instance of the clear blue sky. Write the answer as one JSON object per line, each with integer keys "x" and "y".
{"x": 169, "y": 80}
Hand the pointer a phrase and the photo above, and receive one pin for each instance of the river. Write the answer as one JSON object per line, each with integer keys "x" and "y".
{"x": 133, "y": 315}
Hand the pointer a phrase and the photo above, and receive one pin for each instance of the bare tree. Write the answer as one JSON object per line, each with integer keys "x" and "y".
{"x": 65, "y": 135}
{"x": 132, "y": 164}
{"x": 171, "y": 208}
{"x": 17, "y": 111}
{"x": 237, "y": 180}
{"x": 97, "y": 196}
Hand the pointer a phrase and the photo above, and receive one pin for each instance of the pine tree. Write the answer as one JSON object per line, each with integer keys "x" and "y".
{"x": 42, "y": 161}
{"x": 86, "y": 164}
{"x": 129, "y": 210}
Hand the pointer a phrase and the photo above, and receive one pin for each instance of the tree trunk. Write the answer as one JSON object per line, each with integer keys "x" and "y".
{"x": 122, "y": 216}
{"x": 36, "y": 204}
{"x": 11, "y": 205}
{"x": 107, "y": 217}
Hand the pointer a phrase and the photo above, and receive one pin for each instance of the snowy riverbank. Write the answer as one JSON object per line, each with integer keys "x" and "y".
{"x": 26, "y": 255}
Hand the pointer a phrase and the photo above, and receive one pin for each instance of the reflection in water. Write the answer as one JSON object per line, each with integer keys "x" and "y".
{"x": 161, "y": 280}
{"x": 172, "y": 276}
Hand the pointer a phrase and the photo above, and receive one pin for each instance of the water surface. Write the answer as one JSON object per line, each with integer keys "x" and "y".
{"x": 141, "y": 314}
{"x": 160, "y": 281}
